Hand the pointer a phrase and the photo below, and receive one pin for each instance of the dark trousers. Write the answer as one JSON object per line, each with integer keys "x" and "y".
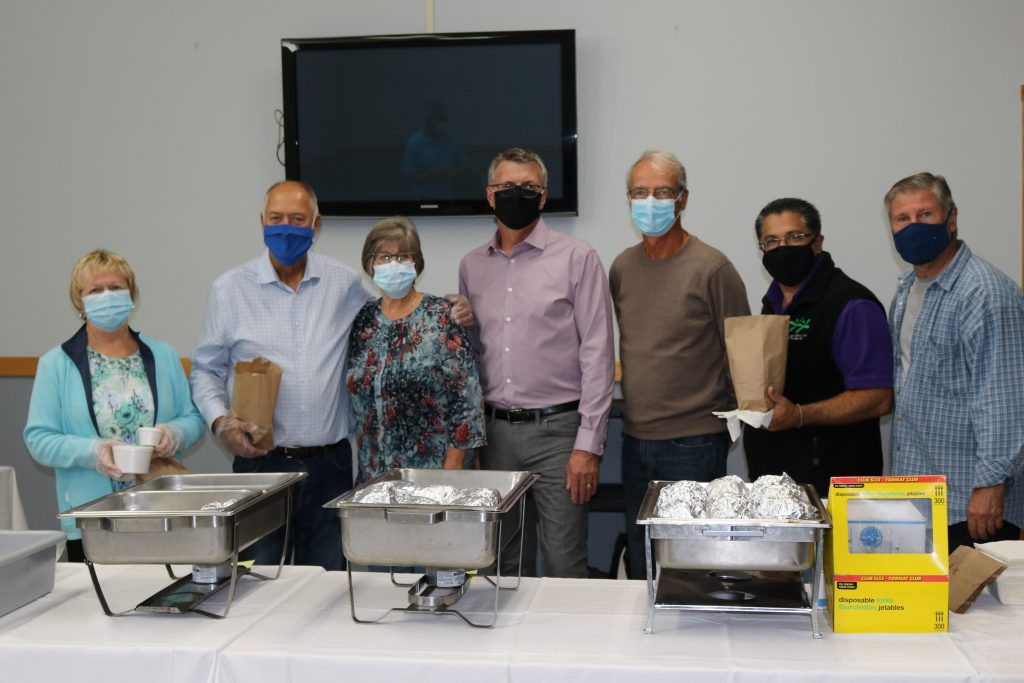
{"x": 698, "y": 458}
{"x": 959, "y": 535}
{"x": 315, "y": 537}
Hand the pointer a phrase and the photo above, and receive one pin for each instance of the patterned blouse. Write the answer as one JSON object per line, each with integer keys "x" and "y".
{"x": 414, "y": 387}
{"x": 121, "y": 397}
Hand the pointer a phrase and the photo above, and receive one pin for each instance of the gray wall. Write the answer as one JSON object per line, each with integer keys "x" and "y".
{"x": 148, "y": 128}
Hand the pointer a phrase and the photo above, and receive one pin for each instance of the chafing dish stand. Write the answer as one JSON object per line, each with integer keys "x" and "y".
{"x": 166, "y": 521}
{"x": 467, "y": 538}
{"x": 763, "y": 568}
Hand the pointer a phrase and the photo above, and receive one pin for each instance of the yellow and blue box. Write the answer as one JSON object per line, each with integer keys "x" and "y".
{"x": 886, "y": 555}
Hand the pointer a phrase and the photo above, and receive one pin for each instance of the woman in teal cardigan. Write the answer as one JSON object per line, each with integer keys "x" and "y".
{"x": 96, "y": 389}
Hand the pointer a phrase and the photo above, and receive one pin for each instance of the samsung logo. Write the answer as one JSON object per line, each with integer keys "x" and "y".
{"x": 428, "y": 206}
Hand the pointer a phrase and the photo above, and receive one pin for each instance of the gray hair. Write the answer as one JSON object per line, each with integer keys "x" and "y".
{"x": 302, "y": 186}
{"x": 397, "y": 229}
{"x": 929, "y": 182}
{"x": 518, "y": 155}
{"x": 664, "y": 160}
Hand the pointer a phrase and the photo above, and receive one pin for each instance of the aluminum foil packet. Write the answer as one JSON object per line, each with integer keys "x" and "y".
{"x": 779, "y": 497}
{"x": 727, "y": 498}
{"x": 398, "y": 492}
{"x": 683, "y": 500}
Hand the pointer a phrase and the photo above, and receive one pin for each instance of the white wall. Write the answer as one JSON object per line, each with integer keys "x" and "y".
{"x": 148, "y": 128}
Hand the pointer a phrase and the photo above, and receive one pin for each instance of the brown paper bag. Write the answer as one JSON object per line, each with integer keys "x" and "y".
{"x": 158, "y": 467}
{"x": 757, "y": 346}
{"x": 255, "y": 397}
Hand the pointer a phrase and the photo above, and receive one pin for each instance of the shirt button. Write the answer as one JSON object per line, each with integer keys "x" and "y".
{"x": 508, "y": 380}
{"x": 508, "y": 318}
{"x": 507, "y": 349}
{"x": 510, "y": 289}
{"x": 512, "y": 260}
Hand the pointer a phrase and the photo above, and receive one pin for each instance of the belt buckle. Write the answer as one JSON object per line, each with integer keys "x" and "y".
{"x": 516, "y": 415}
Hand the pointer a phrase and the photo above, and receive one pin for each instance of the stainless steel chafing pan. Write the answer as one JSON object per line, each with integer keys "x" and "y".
{"x": 432, "y": 535}
{"x": 170, "y": 519}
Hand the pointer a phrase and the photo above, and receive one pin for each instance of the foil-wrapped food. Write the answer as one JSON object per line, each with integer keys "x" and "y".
{"x": 770, "y": 497}
{"x": 400, "y": 492}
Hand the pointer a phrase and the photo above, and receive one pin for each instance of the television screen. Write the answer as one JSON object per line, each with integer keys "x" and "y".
{"x": 383, "y": 125}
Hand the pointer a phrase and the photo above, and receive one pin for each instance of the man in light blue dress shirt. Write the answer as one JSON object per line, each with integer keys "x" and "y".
{"x": 958, "y": 335}
{"x": 295, "y": 309}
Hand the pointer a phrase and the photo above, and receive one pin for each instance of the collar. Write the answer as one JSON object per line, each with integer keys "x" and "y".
{"x": 76, "y": 349}
{"x": 949, "y": 275}
{"x": 266, "y": 275}
{"x": 822, "y": 265}
{"x": 538, "y": 239}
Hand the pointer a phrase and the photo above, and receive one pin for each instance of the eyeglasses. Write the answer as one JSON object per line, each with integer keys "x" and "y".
{"x": 403, "y": 259}
{"x": 658, "y": 192}
{"x": 529, "y": 190}
{"x": 790, "y": 239}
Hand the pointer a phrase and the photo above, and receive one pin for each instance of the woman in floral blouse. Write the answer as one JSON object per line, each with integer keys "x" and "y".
{"x": 411, "y": 371}
{"x": 96, "y": 389}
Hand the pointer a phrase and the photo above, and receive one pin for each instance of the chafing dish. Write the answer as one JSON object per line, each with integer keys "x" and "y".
{"x": 434, "y": 536}
{"x": 198, "y": 519}
{"x": 733, "y": 564}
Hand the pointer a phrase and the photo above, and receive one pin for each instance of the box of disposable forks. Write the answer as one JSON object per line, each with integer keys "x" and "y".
{"x": 886, "y": 559}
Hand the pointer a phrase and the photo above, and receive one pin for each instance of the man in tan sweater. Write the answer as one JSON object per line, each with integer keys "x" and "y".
{"x": 672, "y": 294}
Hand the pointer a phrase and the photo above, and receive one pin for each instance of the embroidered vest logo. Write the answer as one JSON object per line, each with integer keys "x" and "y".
{"x": 799, "y": 328}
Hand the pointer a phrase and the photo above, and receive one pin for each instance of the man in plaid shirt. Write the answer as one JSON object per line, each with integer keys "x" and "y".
{"x": 958, "y": 343}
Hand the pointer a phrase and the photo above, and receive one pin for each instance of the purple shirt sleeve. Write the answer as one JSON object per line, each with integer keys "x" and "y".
{"x": 862, "y": 346}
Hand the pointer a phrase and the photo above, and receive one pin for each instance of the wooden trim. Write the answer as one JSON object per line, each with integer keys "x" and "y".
{"x": 18, "y": 366}
{"x": 25, "y": 366}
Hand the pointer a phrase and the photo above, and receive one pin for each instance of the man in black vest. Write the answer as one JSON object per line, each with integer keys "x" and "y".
{"x": 839, "y": 366}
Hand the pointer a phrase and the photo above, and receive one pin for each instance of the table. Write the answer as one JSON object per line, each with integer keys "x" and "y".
{"x": 592, "y": 630}
{"x": 298, "y": 628}
{"x": 64, "y": 636}
{"x": 12, "y": 514}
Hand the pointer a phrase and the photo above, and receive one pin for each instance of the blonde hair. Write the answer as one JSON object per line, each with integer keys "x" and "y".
{"x": 397, "y": 229}
{"x": 99, "y": 261}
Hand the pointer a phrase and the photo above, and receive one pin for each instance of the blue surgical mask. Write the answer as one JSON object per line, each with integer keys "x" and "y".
{"x": 394, "y": 279}
{"x": 921, "y": 243}
{"x": 288, "y": 243}
{"x": 108, "y": 310}
{"x": 653, "y": 217}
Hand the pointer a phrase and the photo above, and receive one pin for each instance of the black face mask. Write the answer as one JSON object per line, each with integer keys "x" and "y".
{"x": 514, "y": 210}
{"x": 789, "y": 265}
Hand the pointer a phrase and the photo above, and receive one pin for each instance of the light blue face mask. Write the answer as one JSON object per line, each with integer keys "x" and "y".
{"x": 653, "y": 217}
{"x": 108, "y": 310}
{"x": 394, "y": 279}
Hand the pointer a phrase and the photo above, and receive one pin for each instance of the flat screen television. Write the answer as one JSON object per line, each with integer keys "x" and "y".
{"x": 408, "y": 124}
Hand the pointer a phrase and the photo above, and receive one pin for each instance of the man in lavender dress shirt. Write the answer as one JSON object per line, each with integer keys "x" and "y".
{"x": 544, "y": 345}
{"x": 839, "y": 363}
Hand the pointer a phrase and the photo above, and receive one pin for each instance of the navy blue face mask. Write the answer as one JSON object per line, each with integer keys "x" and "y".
{"x": 288, "y": 243}
{"x": 921, "y": 243}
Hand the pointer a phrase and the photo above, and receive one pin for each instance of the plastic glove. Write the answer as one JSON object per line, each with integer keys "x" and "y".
{"x": 170, "y": 442}
{"x": 103, "y": 451}
{"x": 235, "y": 435}
{"x": 461, "y": 312}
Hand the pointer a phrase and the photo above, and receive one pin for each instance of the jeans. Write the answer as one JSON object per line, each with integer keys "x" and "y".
{"x": 315, "y": 537}
{"x": 699, "y": 458}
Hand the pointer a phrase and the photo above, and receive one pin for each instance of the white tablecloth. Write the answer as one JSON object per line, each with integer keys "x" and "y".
{"x": 298, "y": 629}
{"x": 12, "y": 514}
{"x": 65, "y": 636}
{"x": 575, "y": 630}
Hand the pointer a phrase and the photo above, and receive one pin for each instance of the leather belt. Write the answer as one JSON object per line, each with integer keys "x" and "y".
{"x": 515, "y": 415}
{"x": 301, "y": 452}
